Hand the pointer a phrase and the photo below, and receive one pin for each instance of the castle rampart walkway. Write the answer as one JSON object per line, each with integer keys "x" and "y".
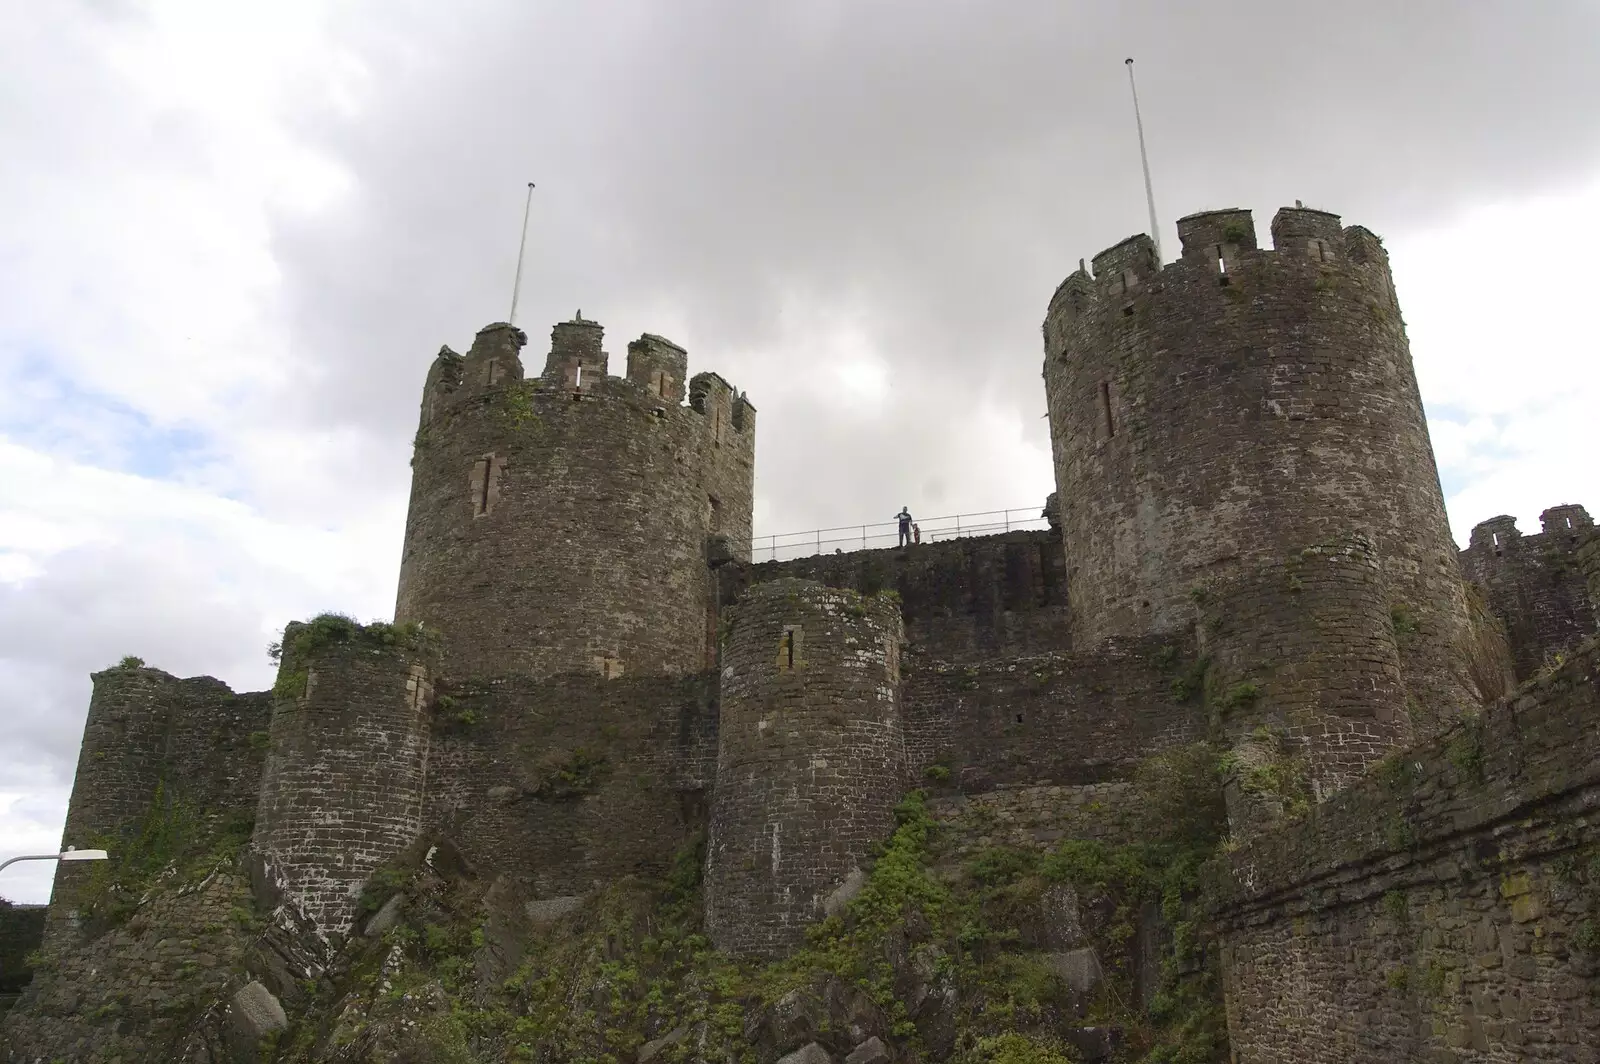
{"x": 787, "y": 545}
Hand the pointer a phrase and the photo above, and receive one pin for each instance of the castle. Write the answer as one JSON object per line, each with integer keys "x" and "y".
{"x": 587, "y": 667}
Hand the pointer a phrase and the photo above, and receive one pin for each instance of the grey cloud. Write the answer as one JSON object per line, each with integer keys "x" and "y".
{"x": 940, "y": 167}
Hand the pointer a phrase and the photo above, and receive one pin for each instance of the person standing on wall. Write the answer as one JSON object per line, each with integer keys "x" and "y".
{"x": 916, "y": 532}
{"x": 904, "y": 517}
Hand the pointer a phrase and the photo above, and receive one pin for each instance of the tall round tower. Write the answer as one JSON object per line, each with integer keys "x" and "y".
{"x": 1215, "y": 418}
{"x": 810, "y": 758}
{"x": 560, "y": 523}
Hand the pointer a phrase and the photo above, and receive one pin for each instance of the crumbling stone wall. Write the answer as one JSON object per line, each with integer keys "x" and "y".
{"x": 810, "y": 758}
{"x": 963, "y": 600}
{"x": 569, "y": 782}
{"x": 146, "y": 992}
{"x": 1445, "y": 908}
{"x": 147, "y": 731}
{"x": 1213, "y": 416}
{"x": 560, "y": 523}
{"x": 343, "y": 787}
{"x": 1536, "y": 584}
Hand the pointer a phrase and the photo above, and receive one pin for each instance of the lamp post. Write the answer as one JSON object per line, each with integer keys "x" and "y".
{"x": 69, "y": 854}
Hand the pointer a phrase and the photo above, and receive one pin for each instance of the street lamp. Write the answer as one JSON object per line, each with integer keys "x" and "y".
{"x": 69, "y": 854}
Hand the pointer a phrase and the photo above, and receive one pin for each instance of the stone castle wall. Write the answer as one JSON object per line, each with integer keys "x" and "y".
{"x": 963, "y": 600}
{"x": 1212, "y": 417}
{"x": 569, "y": 782}
{"x": 1445, "y": 908}
{"x": 343, "y": 787}
{"x": 560, "y": 523}
{"x": 147, "y": 733}
{"x": 810, "y": 759}
{"x": 1536, "y": 584}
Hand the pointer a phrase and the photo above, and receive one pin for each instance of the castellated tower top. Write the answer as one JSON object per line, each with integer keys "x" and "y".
{"x": 1217, "y": 414}
{"x": 562, "y": 523}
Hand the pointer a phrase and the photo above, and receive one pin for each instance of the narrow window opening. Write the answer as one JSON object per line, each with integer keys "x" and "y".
{"x": 716, "y": 431}
{"x": 484, "y": 471}
{"x": 659, "y": 412}
{"x": 489, "y": 374}
{"x": 1569, "y": 522}
{"x": 1222, "y": 268}
{"x": 789, "y": 648}
{"x": 1127, "y": 311}
{"x": 577, "y": 380}
{"x": 714, "y": 514}
{"x": 1019, "y": 718}
{"x": 1105, "y": 408}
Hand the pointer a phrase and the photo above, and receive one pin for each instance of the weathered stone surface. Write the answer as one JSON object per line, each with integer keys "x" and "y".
{"x": 1536, "y": 584}
{"x": 845, "y": 893}
{"x": 590, "y": 499}
{"x": 1078, "y": 968}
{"x": 543, "y": 912}
{"x": 253, "y": 1015}
{"x": 810, "y": 1053}
{"x": 1450, "y": 883}
{"x": 1091, "y": 1043}
{"x": 810, "y": 761}
{"x": 872, "y": 1051}
{"x": 386, "y": 917}
{"x": 653, "y": 1048}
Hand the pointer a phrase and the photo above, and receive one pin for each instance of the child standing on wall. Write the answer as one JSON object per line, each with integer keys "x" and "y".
{"x": 904, "y": 517}
{"x": 916, "y": 532}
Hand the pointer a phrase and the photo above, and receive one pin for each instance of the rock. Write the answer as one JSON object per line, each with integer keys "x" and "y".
{"x": 545, "y": 912}
{"x": 1078, "y": 968}
{"x": 810, "y": 1053}
{"x": 1062, "y": 925}
{"x": 253, "y": 1014}
{"x": 872, "y": 1051}
{"x": 845, "y": 892}
{"x": 652, "y": 1049}
{"x": 504, "y": 795}
{"x": 386, "y": 917}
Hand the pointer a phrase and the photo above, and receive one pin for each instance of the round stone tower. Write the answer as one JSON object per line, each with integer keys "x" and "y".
{"x": 342, "y": 789}
{"x": 560, "y": 523}
{"x": 1214, "y": 418}
{"x": 810, "y": 758}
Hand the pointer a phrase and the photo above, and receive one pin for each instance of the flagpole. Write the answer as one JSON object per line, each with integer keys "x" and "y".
{"x": 1144, "y": 160}
{"x": 516, "y": 286}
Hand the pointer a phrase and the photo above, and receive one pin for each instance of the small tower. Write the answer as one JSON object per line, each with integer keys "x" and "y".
{"x": 810, "y": 759}
{"x": 1215, "y": 420}
{"x": 561, "y": 523}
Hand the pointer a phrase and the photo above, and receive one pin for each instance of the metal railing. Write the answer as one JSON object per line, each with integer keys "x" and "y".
{"x": 787, "y": 545}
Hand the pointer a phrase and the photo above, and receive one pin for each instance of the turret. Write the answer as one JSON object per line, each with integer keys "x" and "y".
{"x": 561, "y": 523}
{"x": 342, "y": 791}
{"x": 1213, "y": 418}
{"x": 810, "y": 759}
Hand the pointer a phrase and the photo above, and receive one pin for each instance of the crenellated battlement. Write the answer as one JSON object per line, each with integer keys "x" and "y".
{"x": 1182, "y": 396}
{"x": 561, "y": 522}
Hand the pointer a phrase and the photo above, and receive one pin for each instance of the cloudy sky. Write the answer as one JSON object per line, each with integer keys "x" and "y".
{"x": 234, "y": 234}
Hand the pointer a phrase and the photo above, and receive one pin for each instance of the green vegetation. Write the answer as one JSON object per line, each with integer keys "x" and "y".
{"x": 1404, "y": 623}
{"x": 131, "y": 662}
{"x": 634, "y": 962}
{"x": 1398, "y": 978}
{"x": 175, "y": 842}
{"x": 336, "y": 629}
{"x": 1235, "y": 234}
{"x": 564, "y": 774}
{"x": 1191, "y": 684}
{"x": 516, "y": 405}
{"x": 1465, "y": 749}
{"x": 1268, "y": 768}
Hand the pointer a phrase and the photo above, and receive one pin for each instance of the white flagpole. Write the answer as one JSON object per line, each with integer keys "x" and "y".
{"x": 516, "y": 286}
{"x": 1144, "y": 160}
